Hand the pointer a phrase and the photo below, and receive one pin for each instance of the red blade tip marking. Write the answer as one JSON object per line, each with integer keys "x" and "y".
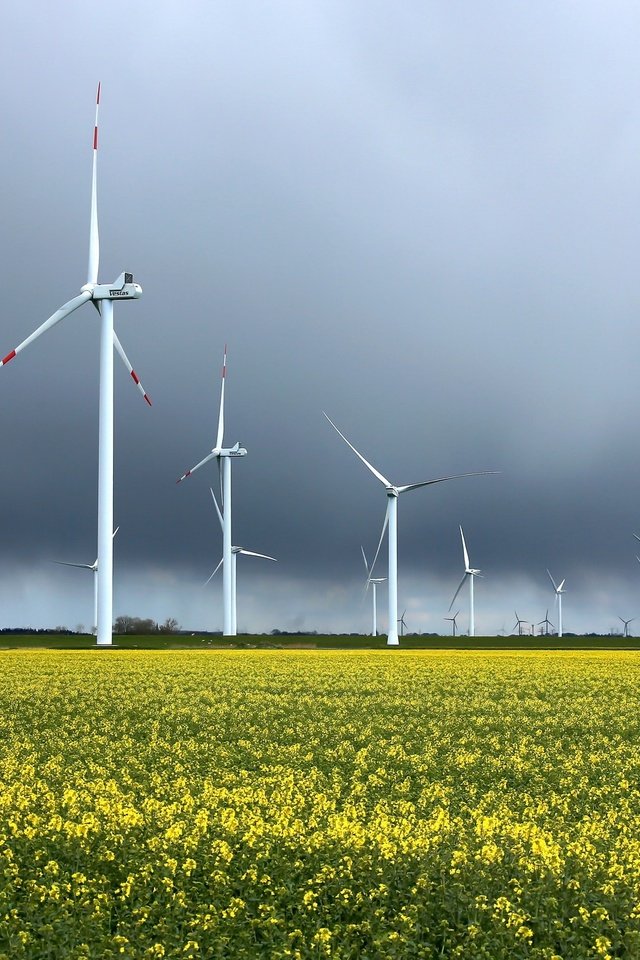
{"x": 8, "y": 357}
{"x": 147, "y": 399}
{"x": 136, "y": 379}
{"x": 98, "y": 94}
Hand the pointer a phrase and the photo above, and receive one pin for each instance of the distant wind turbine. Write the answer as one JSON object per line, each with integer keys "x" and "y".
{"x": 402, "y": 622}
{"x": 223, "y": 455}
{"x": 453, "y": 621}
{"x": 93, "y": 567}
{"x": 546, "y": 623}
{"x": 470, "y": 573}
{"x": 626, "y": 623}
{"x": 391, "y": 520}
{"x": 374, "y": 581}
{"x": 518, "y": 624}
{"x": 102, "y": 295}
{"x": 559, "y": 589}
{"x": 234, "y": 554}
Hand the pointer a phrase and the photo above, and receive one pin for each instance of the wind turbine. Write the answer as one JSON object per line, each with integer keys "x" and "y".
{"x": 102, "y": 295}
{"x": 374, "y": 581}
{"x": 223, "y": 455}
{"x": 546, "y": 623}
{"x": 469, "y": 572}
{"x": 518, "y": 624}
{"x": 559, "y": 589}
{"x": 94, "y": 569}
{"x": 453, "y": 621}
{"x": 234, "y": 553}
{"x": 626, "y": 623}
{"x": 402, "y": 623}
{"x": 391, "y": 520}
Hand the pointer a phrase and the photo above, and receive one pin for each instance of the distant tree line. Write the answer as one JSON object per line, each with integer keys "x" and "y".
{"x": 141, "y": 626}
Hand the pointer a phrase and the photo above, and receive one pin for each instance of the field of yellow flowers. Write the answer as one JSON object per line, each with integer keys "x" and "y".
{"x": 305, "y": 804}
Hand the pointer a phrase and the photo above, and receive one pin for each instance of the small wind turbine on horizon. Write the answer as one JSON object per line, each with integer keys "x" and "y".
{"x": 403, "y": 624}
{"x": 223, "y": 456}
{"x": 391, "y": 521}
{"x": 235, "y": 551}
{"x": 625, "y": 632}
{"x": 453, "y": 621}
{"x": 518, "y": 624}
{"x": 93, "y": 567}
{"x": 469, "y": 572}
{"x": 546, "y": 623}
{"x": 102, "y": 296}
{"x": 374, "y": 581}
{"x": 559, "y": 589}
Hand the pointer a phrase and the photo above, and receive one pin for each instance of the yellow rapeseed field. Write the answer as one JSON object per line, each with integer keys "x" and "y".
{"x": 299, "y": 804}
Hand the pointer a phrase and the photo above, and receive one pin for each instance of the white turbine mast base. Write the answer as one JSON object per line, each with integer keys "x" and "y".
{"x": 373, "y": 581}
{"x": 234, "y": 554}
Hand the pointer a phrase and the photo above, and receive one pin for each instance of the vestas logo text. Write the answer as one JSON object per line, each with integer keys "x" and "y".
{"x": 118, "y": 293}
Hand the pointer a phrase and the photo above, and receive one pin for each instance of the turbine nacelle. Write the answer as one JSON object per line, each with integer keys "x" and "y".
{"x": 123, "y": 288}
{"x": 235, "y": 451}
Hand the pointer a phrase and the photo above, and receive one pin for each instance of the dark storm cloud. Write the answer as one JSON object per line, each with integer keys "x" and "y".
{"x": 419, "y": 218}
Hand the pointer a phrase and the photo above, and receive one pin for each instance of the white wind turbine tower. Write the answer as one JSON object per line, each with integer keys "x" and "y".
{"x": 391, "y": 520}
{"x": 469, "y": 572}
{"x": 518, "y": 624}
{"x": 625, "y": 632}
{"x": 94, "y": 569}
{"x": 559, "y": 589}
{"x": 374, "y": 581}
{"x": 102, "y": 297}
{"x": 234, "y": 554}
{"x": 223, "y": 455}
{"x": 453, "y": 621}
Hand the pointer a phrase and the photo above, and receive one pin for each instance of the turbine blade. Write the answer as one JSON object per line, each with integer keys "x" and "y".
{"x": 94, "y": 239}
{"x": 114, "y": 532}
{"x": 373, "y": 470}
{"x": 65, "y": 563}
{"x": 217, "y": 508}
{"x": 456, "y": 476}
{"x": 214, "y": 572}
{"x": 384, "y": 527}
{"x": 552, "y": 581}
{"x": 56, "y": 317}
{"x": 364, "y": 557}
{"x": 250, "y": 553}
{"x": 464, "y": 550}
{"x": 636, "y": 536}
{"x": 460, "y": 586}
{"x": 125, "y": 360}
{"x": 197, "y": 466}
{"x": 561, "y": 586}
{"x": 220, "y": 435}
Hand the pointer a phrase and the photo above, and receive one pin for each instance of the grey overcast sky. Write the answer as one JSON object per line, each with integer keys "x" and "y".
{"x": 421, "y": 217}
